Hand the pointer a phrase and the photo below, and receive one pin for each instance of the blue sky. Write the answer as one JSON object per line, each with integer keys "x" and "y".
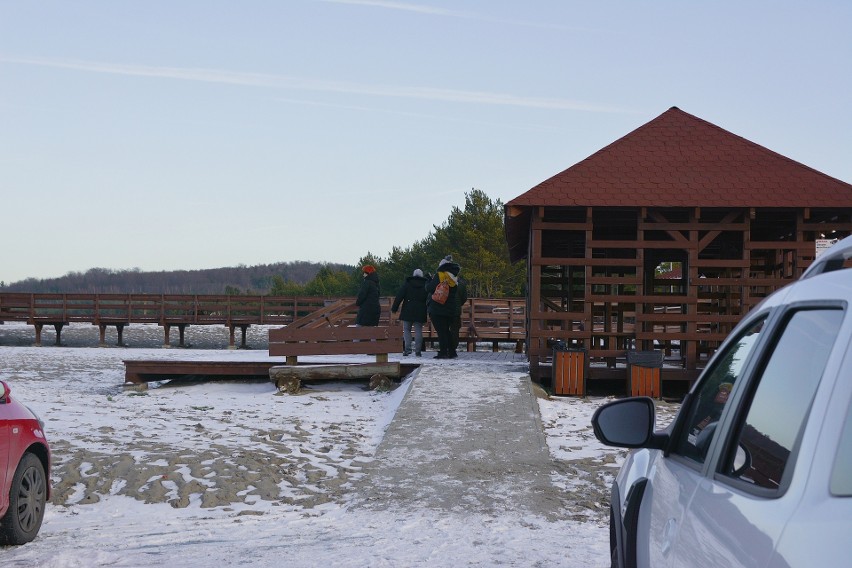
{"x": 166, "y": 135}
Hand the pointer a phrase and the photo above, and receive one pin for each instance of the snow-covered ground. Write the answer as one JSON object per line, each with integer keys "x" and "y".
{"x": 231, "y": 473}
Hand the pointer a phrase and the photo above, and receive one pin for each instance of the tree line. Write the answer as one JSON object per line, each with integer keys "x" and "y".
{"x": 473, "y": 235}
{"x": 230, "y": 280}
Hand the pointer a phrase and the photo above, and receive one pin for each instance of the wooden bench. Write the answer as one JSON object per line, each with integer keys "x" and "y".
{"x": 340, "y": 340}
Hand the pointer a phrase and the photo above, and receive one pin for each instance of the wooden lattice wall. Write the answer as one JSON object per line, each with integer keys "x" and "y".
{"x": 678, "y": 279}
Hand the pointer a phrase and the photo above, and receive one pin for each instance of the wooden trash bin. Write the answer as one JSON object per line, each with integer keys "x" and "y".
{"x": 570, "y": 367}
{"x": 645, "y": 368}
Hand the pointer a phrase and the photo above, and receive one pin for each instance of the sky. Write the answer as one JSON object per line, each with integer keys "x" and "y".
{"x": 168, "y": 135}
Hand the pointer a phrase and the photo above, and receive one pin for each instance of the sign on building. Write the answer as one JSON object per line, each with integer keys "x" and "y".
{"x": 823, "y": 245}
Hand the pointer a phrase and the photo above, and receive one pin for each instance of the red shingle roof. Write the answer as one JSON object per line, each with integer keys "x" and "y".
{"x": 679, "y": 160}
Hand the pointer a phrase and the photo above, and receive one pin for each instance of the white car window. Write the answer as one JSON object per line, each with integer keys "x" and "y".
{"x": 841, "y": 474}
{"x": 779, "y": 406}
{"x": 711, "y": 396}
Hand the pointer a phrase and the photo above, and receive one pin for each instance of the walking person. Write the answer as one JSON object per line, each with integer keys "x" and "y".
{"x": 443, "y": 290}
{"x": 412, "y": 298}
{"x": 367, "y": 301}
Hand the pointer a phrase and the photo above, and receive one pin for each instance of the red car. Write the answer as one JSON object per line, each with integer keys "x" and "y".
{"x": 24, "y": 470}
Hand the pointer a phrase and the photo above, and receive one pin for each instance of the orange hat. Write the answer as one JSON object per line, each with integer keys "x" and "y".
{"x": 369, "y": 269}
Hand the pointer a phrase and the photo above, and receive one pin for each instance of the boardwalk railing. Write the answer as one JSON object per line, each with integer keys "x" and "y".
{"x": 483, "y": 320}
{"x": 155, "y": 308}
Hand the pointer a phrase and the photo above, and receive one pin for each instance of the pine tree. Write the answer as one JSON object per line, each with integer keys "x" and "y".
{"x": 474, "y": 236}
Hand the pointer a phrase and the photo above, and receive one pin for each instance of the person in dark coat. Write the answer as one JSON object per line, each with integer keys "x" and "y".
{"x": 412, "y": 298}
{"x": 456, "y": 322}
{"x": 367, "y": 301}
{"x": 443, "y": 314}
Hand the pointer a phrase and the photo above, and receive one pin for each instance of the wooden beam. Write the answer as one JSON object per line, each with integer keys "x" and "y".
{"x": 289, "y": 378}
{"x": 827, "y": 226}
{"x": 780, "y": 245}
{"x": 646, "y": 244}
{"x": 653, "y": 318}
{"x": 713, "y": 282}
{"x": 723, "y": 263}
{"x": 702, "y": 226}
{"x": 666, "y": 300}
{"x": 138, "y": 371}
{"x": 676, "y": 235}
{"x": 278, "y": 373}
{"x": 694, "y": 336}
{"x": 586, "y": 262}
{"x": 614, "y": 280}
{"x": 711, "y": 236}
{"x": 554, "y": 226}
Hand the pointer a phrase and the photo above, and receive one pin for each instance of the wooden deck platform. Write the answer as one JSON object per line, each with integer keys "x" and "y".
{"x": 140, "y": 372}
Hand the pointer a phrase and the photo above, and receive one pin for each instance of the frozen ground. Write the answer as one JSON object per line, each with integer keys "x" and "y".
{"x": 230, "y": 473}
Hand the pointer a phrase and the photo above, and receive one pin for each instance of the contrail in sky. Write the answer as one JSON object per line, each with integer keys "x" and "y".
{"x": 306, "y": 84}
{"x": 434, "y": 11}
{"x": 419, "y": 8}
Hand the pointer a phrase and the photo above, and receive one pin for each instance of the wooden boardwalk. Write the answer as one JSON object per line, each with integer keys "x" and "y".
{"x": 483, "y": 319}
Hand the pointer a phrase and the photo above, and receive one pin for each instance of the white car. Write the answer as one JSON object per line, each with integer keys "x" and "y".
{"x": 756, "y": 469}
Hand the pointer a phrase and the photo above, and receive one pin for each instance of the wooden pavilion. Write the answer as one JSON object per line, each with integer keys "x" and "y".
{"x": 662, "y": 241}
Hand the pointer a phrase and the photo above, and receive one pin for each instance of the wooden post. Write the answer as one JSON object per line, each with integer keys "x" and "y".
{"x": 691, "y": 276}
{"x": 534, "y": 295}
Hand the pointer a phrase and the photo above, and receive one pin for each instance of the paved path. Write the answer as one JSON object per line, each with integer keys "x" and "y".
{"x": 466, "y": 438}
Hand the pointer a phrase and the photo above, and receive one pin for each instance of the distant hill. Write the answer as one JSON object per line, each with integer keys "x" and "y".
{"x": 234, "y": 280}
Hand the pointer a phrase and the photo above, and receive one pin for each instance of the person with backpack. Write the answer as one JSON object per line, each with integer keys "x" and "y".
{"x": 412, "y": 297}
{"x": 443, "y": 291}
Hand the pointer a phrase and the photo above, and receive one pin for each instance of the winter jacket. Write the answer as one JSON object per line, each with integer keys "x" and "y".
{"x": 369, "y": 310}
{"x": 448, "y": 272}
{"x": 412, "y": 297}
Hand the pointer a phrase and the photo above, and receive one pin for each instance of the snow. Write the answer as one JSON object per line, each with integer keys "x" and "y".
{"x": 231, "y": 473}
